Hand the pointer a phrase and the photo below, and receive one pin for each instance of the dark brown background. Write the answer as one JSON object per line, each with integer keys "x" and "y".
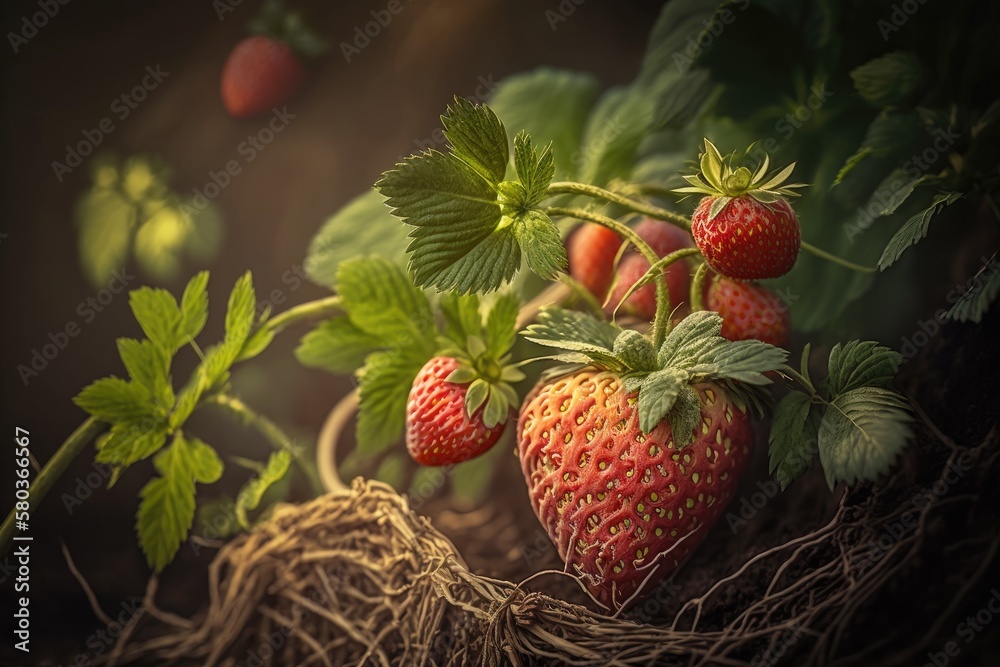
{"x": 352, "y": 121}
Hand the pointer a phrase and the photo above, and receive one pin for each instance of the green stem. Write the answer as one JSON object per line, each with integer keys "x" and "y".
{"x": 662, "y": 320}
{"x": 697, "y": 303}
{"x": 55, "y": 467}
{"x": 271, "y": 432}
{"x": 305, "y": 311}
{"x": 571, "y": 188}
{"x": 798, "y": 377}
{"x": 808, "y": 247}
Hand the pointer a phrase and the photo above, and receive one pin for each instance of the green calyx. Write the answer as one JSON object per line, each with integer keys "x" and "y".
{"x": 480, "y": 342}
{"x": 717, "y": 178}
{"x": 694, "y": 351}
{"x": 276, "y": 22}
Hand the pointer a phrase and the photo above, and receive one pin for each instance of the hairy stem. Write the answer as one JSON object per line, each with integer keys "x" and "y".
{"x": 697, "y": 285}
{"x": 823, "y": 254}
{"x": 305, "y": 311}
{"x": 662, "y": 320}
{"x": 571, "y": 188}
{"x": 271, "y": 432}
{"x": 55, "y": 467}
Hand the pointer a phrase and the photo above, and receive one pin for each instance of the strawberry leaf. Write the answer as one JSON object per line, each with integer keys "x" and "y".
{"x": 501, "y": 323}
{"x": 976, "y": 301}
{"x": 337, "y": 345}
{"x": 113, "y": 399}
{"x": 862, "y": 433}
{"x": 382, "y": 301}
{"x": 386, "y": 379}
{"x": 888, "y": 80}
{"x": 541, "y": 243}
{"x": 159, "y": 316}
{"x": 861, "y": 364}
{"x": 194, "y": 308}
{"x": 477, "y": 137}
{"x": 793, "y": 439}
{"x": 253, "y": 491}
{"x": 534, "y": 171}
{"x": 148, "y": 368}
{"x": 635, "y": 351}
{"x": 914, "y": 230}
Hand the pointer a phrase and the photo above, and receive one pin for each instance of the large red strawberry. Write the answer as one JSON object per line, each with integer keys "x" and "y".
{"x": 664, "y": 238}
{"x": 744, "y": 227}
{"x": 260, "y": 74}
{"x": 621, "y": 506}
{"x": 439, "y": 426}
{"x": 749, "y": 311}
{"x": 591, "y": 251}
{"x": 266, "y": 70}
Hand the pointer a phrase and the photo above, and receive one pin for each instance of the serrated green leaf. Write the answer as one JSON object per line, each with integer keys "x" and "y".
{"x": 148, "y": 368}
{"x": 258, "y": 341}
{"x": 487, "y": 267}
{"x": 861, "y": 364}
{"x": 972, "y": 305}
{"x": 382, "y": 302}
{"x": 364, "y": 226}
{"x": 337, "y": 345}
{"x": 159, "y": 316}
{"x": 635, "y": 350}
{"x": 577, "y": 332}
{"x": 914, "y": 230}
{"x": 194, "y": 308}
{"x": 861, "y": 434}
{"x": 551, "y": 106}
{"x": 166, "y": 513}
{"x": 541, "y": 244}
{"x": 657, "y": 396}
{"x": 112, "y": 399}
{"x": 240, "y": 312}
{"x": 685, "y": 416}
{"x": 534, "y": 171}
{"x": 477, "y": 137}
{"x": 501, "y": 323}
{"x": 386, "y": 379}
{"x": 129, "y": 442}
{"x": 454, "y": 212}
{"x": 696, "y": 346}
{"x": 888, "y": 80}
{"x": 792, "y": 442}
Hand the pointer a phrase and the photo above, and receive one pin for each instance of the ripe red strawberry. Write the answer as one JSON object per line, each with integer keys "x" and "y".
{"x": 664, "y": 238}
{"x": 260, "y": 74}
{"x": 619, "y": 505}
{"x": 592, "y": 249}
{"x": 439, "y": 429}
{"x": 749, "y": 311}
{"x": 748, "y": 239}
{"x": 744, "y": 227}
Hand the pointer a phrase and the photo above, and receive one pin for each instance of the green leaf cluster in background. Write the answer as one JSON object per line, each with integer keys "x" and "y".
{"x": 129, "y": 213}
{"x": 855, "y": 420}
{"x": 144, "y": 412}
